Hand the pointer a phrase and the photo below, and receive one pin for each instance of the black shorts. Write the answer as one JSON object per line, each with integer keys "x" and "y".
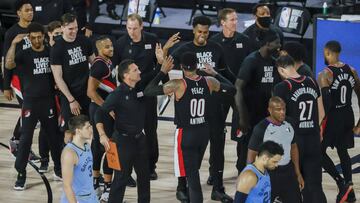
{"x": 66, "y": 114}
{"x": 190, "y": 145}
{"x": 339, "y": 128}
{"x": 284, "y": 184}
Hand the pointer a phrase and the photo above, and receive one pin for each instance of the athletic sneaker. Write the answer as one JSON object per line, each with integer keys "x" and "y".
{"x": 220, "y": 195}
{"x": 20, "y": 181}
{"x": 57, "y": 176}
{"x": 105, "y": 195}
{"x": 96, "y": 185}
{"x": 33, "y": 157}
{"x": 13, "y": 146}
{"x": 344, "y": 191}
{"x": 182, "y": 195}
{"x": 44, "y": 166}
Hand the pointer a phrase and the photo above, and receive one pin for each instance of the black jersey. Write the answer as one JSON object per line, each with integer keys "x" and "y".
{"x": 72, "y": 56}
{"x": 260, "y": 75}
{"x": 191, "y": 108}
{"x": 104, "y": 72}
{"x": 10, "y": 34}
{"x": 300, "y": 95}
{"x": 35, "y": 73}
{"x": 342, "y": 86}
{"x": 235, "y": 49}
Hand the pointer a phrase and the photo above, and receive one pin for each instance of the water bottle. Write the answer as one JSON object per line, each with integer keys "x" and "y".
{"x": 325, "y": 8}
{"x": 157, "y": 16}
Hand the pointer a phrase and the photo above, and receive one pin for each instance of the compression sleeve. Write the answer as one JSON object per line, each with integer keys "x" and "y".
{"x": 226, "y": 86}
{"x": 153, "y": 88}
{"x": 240, "y": 197}
{"x": 325, "y": 92}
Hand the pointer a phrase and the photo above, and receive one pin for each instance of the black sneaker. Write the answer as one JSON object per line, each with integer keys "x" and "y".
{"x": 44, "y": 166}
{"x": 344, "y": 191}
{"x": 13, "y": 146}
{"x": 182, "y": 196}
{"x": 153, "y": 175}
{"x": 20, "y": 182}
{"x": 351, "y": 197}
{"x": 131, "y": 182}
{"x": 220, "y": 195}
{"x": 210, "y": 180}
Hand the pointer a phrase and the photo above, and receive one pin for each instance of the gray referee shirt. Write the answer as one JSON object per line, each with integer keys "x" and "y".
{"x": 282, "y": 134}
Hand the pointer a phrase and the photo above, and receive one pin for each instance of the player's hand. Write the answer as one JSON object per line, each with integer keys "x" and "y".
{"x": 301, "y": 181}
{"x": 112, "y": 114}
{"x": 209, "y": 70}
{"x": 159, "y": 53}
{"x": 75, "y": 108}
{"x": 18, "y": 38}
{"x": 9, "y": 94}
{"x": 174, "y": 39}
{"x": 88, "y": 32}
{"x": 168, "y": 64}
{"x": 104, "y": 140}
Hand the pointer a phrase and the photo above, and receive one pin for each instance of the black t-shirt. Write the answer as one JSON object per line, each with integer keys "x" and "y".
{"x": 235, "y": 49}
{"x": 143, "y": 53}
{"x": 191, "y": 108}
{"x": 129, "y": 109}
{"x": 260, "y": 75}
{"x": 253, "y": 32}
{"x": 35, "y": 73}
{"x": 46, "y": 11}
{"x": 283, "y": 134}
{"x": 212, "y": 54}
{"x": 72, "y": 56}
{"x": 300, "y": 95}
{"x": 305, "y": 70}
{"x": 10, "y": 34}
{"x": 105, "y": 73}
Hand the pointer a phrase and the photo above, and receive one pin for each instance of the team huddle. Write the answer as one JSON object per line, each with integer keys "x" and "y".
{"x": 284, "y": 118}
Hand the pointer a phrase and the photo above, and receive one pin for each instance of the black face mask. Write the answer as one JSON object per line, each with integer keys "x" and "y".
{"x": 56, "y": 38}
{"x": 264, "y": 21}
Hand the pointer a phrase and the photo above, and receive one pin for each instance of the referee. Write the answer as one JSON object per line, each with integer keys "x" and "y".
{"x": 279, "y": 129}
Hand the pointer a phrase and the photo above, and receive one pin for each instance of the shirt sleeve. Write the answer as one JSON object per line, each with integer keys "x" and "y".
{"x": 56, "y": 55}
{"x": 88, "y": 46}
{"x": 246, "y": 70}
{"x": 256, "y": 138}
{"x": 108, "y": 105}
{"x": 19, "y": 58}
{"x": 99, "y": 70}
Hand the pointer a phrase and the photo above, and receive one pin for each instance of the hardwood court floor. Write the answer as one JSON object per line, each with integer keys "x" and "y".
{"x": 162, "y": 190}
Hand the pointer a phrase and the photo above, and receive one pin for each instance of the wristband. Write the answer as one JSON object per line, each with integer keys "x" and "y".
{"x": 72, "y": 101}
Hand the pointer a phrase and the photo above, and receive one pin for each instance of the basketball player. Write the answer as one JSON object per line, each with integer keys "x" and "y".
{"x": 256, "y": 79}
{"x": 298, "y": 52}
{"x": 70, "y": 58}
{"x": 39, "y": 99}
{"x": 304, "y": 104}
{"x": 12, "y": 84}
{"x": 337, "y": 82}
{"x": 279, "y": 129}
{"x": 209, "y": 52}
{"x": 76, "y": 162}
{"x": 102, "y": 81}
{"x": 253, "y": 185}
{"x": 192, "y": 133}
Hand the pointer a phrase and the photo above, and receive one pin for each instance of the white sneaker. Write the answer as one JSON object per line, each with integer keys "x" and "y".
{"x": 57, "y": 177}
{"x": 105, "y": 195}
